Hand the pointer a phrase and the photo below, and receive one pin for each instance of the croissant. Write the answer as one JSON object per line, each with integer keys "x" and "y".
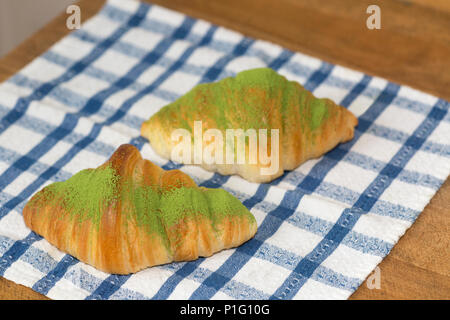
{"x": 129, "y": 214}
{"x": 293, "y": 126}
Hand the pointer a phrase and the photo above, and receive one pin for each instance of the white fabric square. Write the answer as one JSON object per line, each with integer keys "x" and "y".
{"x": 180, "y": 82}
{"x": 84, "y": 126}
{"x": 314, "y": 290}
{"x": 259, "y": 215}
{"x": 343, "y": 174}
{"x": 262, "y": 275}
{"x": 319, "y": 207}
{"x": 11, "y": 88}
{"x": 415, "y": 95}
{"x": 73, "y": 48}
{"x": 203, "y": 56}
{"x": 360, "y": 105}
{"x": 177, "y": 49}
{"x": 294, "y": 239}
{"x": 381, "y": 227}
{"x": 150, "y": 75}
{"x": 112, "y": 137}
{"x": 34, "y": 70}
{"x": 85, "y": 86}
{"x": 400, "y": 119}
{"x": 142, "y": 38}
{"x": 162, "y": 14}
{"x": 214, "y": 262}
{"x": 238, "y": 183}
{"x": 60, "y": 149}
{"x": 23, "y": 273}
{"x": 200, "y": 28}
{"x": 347, "y": 74}
{"x": 67, "y": 290}
{"x": 8, "y": 100}
{"x": 333, "y": 93}
{"x": 275, "y": 195}
{"x": 147, "y": 106}
{"x": 126, "y": 129}
{"x": 118, "y": 99}
{"x": 21, "y": 139}
{"x": 344, "y": 259}
{"x": 56, "y": 102}
{"x": 184, "y": 289}
{"x": 4, "y": 165}
{"x": 308, "y": 61}
{"x": 226, "y": 35}
{"x": 129, "y": 6}
{"x": 13, "y": 226}
{"x": 287, "y": 185}
{"x": 244, "y": 63}
{"x": 122, "y": 63}
{"x": 24, "y": 179}
{"x": 441, "y": 134}
{"x": 378, "y": 83}
{"x": 268, "y": 48}
{"x": 137, "y": 282}
{"x": 400, "y": 192}
{"x": 83, "y": 160}
{"x": 41, "y": 110}
{"x": 376, "y": 147}
{"x": 417, "y": 164}
{"x": 307, "y": 166}
{"x": 101, "y": 26}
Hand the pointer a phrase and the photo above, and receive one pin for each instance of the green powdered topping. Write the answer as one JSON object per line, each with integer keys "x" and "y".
{"x": 222, "y": 204}
{"x": 214, "y": 204}
{"x": 87, "y": 194}
{"x": 179, "y": 203}
{"x": 254, "y": 99}
{"x": 319, "y": 112}
{"x": 142, "y": 204}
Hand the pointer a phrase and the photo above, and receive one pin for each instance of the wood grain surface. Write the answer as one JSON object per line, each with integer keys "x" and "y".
{"x": 412, "y": 47}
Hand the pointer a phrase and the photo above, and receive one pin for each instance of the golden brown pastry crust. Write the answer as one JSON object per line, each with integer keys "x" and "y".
{"x": 119, "y": 245}
{"x": 299, "y": 141}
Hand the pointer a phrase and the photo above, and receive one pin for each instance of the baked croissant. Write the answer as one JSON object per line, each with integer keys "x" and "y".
{"x": 129, "y": 214}
{"x": 305, "y": 127}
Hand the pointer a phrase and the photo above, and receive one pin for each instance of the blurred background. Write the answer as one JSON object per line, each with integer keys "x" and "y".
{"x": 19, "y": 19}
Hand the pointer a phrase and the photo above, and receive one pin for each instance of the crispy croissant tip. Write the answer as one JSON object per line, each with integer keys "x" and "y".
{"x": 122, "y": 156}
{"x": 352, "y": 122}
{"x": 124, "y": 152}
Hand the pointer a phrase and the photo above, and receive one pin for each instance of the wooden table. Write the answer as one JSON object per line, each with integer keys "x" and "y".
{"x": 412, "y": 47}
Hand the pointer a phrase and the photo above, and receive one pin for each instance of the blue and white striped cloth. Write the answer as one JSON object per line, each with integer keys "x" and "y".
{"x": 321, "y": 228}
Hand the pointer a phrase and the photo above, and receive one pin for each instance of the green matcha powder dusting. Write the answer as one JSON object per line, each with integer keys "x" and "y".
{"x": 251, "y": 100}
{"x": 87, "y": 194}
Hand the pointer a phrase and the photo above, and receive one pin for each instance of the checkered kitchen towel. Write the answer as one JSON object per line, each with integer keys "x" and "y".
{"x": 322, "y": 228}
